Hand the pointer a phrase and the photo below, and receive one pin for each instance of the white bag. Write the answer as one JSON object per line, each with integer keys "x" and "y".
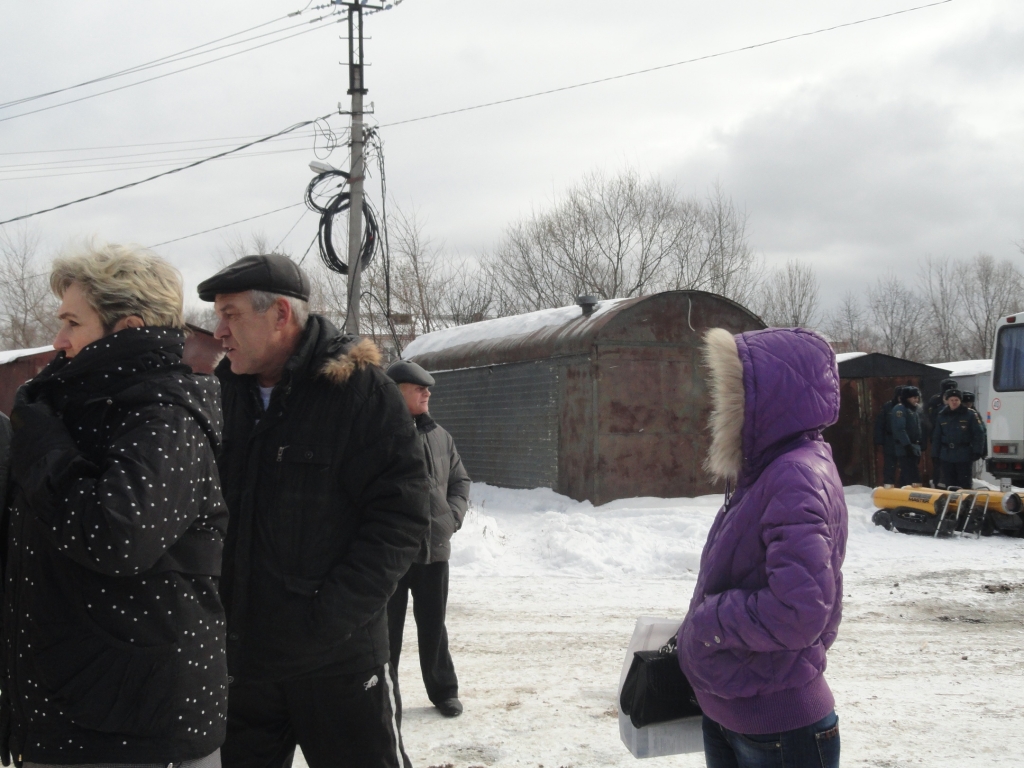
{"x": 675, "y": 737}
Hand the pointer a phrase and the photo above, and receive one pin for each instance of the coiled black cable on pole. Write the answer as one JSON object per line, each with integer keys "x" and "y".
{"x": 338, "y": 203}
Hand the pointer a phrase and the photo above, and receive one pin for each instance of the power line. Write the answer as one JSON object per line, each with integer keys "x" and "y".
{"x": 225, "y": 226}
{"x": 177, "y": 71}
{"x": 177, "y": 151}
{"x": 166, "y": 173}
{"x": 146, "y": 65}
{"x": 281, "y": 242}
{"x": 662, "y": 66}
{"x": 146, "y": 144}
{"x": 150, "y": 159}
{"x": 90, "y": 170}
{"x": 141, "y": 160}
{"x": 143, "y": 166}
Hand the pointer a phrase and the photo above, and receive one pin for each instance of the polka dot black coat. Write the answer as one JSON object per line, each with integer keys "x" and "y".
{"x": 113, "y": 630}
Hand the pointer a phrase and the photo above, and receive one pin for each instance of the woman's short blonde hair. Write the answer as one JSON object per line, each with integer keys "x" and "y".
{"x": 123, "y": 280}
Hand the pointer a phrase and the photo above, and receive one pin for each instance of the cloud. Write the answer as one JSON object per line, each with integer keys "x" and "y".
{"x": 858, "y": 184}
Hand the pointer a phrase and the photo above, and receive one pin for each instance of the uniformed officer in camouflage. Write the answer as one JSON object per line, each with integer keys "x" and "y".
{"x": 957, "y": 440}
{"x": 905, "y": 423}
{"x": 883, "y": 437}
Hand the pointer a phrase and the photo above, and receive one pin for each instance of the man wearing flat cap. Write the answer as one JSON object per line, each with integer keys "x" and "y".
{"x": 325, "y": 481}
{"x": 427, "y": 578}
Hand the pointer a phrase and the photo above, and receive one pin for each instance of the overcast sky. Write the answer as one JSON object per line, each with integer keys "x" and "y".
{"x": 857, "y": 150}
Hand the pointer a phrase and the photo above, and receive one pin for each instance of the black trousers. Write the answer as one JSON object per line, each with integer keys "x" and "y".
{"x": 889, "y": 464}
{"x": 960, "y": 473}
{"x": 429, "y": 587}
{"x": 910, "y": 471}
{"x": 344, "y": 721}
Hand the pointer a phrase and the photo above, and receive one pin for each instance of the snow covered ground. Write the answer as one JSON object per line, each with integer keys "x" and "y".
{"x": 928, "y": 668}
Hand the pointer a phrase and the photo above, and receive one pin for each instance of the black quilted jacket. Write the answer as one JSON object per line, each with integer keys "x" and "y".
{"x": 329, "y": 503}
{"x": 113, "y": 630}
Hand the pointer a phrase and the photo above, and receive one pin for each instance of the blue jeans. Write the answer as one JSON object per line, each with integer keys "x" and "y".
{"x": 814, "y": 746}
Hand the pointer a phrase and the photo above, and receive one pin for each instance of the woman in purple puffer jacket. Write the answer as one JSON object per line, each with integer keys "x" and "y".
{"x": 768, "y": 599}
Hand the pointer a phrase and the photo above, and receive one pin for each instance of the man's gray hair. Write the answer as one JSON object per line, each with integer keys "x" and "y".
{"x": 264, "y": 300}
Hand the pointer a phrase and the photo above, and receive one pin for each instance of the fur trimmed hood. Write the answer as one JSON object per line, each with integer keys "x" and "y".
{"x": 767, "y": 387}
{"x": 725, "y": 382}
{"x": 357, "y": 353}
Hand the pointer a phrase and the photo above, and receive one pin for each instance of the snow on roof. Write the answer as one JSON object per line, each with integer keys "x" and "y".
{"x": 842, "y": 357}
{"x": 499, "y": 328}
{"x": 16, "y": 354}
{"x": 966, "y": 367}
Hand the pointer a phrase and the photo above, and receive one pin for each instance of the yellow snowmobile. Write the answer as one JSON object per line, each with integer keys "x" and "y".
{"x": 953, "y": 510}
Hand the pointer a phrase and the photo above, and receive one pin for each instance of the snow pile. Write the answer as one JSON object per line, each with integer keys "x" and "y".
{"x": 526, "y": 533}
{"x": 516, "y": 532}
{"x": 517, "y": 325}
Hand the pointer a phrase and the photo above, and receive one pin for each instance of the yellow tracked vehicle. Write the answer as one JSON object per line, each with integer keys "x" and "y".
{"x": 954, "y": 510}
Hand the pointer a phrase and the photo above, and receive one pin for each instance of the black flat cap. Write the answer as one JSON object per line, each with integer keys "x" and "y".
{"x": 273, "y": 273}
{"x": 405, "y": 372}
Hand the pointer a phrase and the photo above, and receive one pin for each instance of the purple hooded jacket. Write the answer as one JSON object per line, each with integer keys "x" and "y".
{"x": 768, "y": 599}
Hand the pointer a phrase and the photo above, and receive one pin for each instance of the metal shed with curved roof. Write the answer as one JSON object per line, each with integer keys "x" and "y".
{"x": 603, "y": 405}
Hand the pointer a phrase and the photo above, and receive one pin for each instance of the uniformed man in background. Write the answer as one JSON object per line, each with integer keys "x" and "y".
{"x": 905, "y": 422}
{"x": 883, "y": 437}
{"x": 957, "y": 439}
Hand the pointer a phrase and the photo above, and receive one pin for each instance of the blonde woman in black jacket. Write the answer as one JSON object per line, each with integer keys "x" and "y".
{"x": 113, "y": 630}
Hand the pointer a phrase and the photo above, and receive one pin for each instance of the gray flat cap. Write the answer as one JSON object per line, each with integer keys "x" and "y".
{"x": 405, "y": 372}
{"x": 271, "y": 273}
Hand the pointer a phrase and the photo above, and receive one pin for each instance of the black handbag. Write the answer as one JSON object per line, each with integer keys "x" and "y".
{"x": 656, "y": 690}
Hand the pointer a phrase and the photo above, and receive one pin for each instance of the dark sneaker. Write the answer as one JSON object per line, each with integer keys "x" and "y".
{"x": 449, "y": 707}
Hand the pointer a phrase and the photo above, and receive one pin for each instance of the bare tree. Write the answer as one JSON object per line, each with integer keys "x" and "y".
{"x": 618, "y": 237}
{"x": 468, "y": 295}
{"x": 789, "y": 297}
{"x": 848, "y": 327}
{"x": 897, "y": 313}
{"x": 712, "y": 252}
{"x": 941, "y": 291}
{"x": 989, "y": 290}
{"x": 28, "y": 309}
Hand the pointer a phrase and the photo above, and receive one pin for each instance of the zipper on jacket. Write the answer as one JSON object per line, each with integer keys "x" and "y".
{"x": 280, "y": 452}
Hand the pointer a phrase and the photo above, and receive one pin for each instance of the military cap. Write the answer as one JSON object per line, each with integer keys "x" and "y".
{"x": 954, "y": 393}
{"x": 968, "y": 397}
{"x": 270, "y": 273}
{"x": 910, "y": 391}
{"x": 406, "y": 372}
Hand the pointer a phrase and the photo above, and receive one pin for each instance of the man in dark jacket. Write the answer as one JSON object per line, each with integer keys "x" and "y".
{"x": 325, "y": 480}
{"x": 883, "y": 437}
{"x": 905, "y": 422}
{"x": 957, "y": 440}
{"x": 427, "y": 577}
{"x": 113, "y": 631}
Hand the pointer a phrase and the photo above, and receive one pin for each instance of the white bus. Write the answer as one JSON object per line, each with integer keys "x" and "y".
{"x": 1004, "y": 411}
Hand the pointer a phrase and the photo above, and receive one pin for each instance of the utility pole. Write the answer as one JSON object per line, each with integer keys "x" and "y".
{"x": 357, "y": 165}
{"x": 357, "y": 171}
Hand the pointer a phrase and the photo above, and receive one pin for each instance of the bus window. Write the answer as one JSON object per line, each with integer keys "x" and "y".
{"x": 1008, "y": 375}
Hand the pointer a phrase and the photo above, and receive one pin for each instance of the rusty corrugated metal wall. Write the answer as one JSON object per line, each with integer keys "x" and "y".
{"x": 600, "y": 408}
{"x": 518, "y": 406}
